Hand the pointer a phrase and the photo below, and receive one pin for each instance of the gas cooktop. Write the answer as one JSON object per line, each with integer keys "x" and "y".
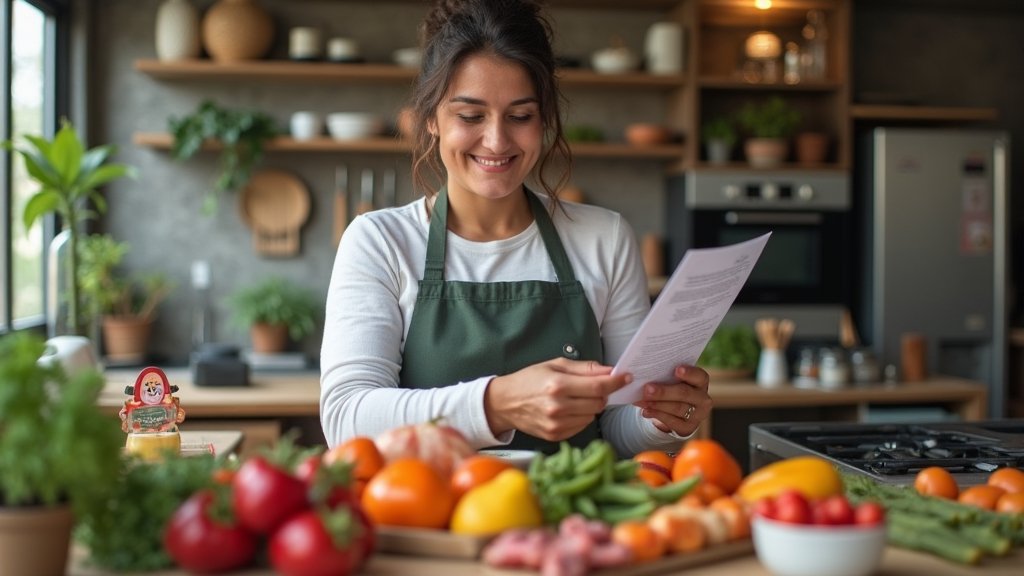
{"x": 894, "y": 453}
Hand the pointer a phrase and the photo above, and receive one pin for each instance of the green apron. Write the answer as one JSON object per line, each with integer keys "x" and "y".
{"x": 464, "y": 330}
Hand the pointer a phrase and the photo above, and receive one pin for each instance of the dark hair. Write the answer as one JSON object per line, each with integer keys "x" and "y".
{"x": 514, "y": 30}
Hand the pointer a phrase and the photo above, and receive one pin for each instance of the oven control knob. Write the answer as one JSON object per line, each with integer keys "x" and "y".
{"x": 769, "y": 191}
{"x": 805, "y": 192}
{"x": 731, "y": 191}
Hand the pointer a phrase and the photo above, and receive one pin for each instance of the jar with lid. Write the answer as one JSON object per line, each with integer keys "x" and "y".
{"x": 806, "y": 369}
{"x": 864, "y": 366}
{"x": 833, "y": 371}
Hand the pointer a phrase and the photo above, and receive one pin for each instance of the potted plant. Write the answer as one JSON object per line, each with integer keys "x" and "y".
{"x": 59, "y": 454}
{"x": 769, "y": 125}
{"x": 719, "y": 136}
{"x": 125, "y": 305}
{"x": 68, "y": 176}
{"x": 274, "y": 310}
{"x": 731, "y": 353}
{"x": 241, "y": 133}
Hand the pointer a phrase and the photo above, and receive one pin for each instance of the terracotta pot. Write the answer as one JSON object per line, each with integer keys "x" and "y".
{"x": 765, "y": 152}
{"x": 236, "y": 30}
{"x": 126, "y": 338}
{"x": 34, "y": 540}
{"x": 811, "y": 147}
{"x": 269, "y": 338}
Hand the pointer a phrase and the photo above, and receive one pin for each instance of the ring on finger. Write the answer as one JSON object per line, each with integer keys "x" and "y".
{"x": 688, "y": 413}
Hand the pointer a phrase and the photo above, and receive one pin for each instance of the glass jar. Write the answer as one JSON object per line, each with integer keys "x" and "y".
{"x": 833, "y": 371}
{"x": 806, "y": 369}
{"x": 864, "y": 367}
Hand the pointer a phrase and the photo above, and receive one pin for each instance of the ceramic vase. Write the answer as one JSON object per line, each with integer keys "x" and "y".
{"x": 235, "y": 30}
{"x": 177, "y": 30}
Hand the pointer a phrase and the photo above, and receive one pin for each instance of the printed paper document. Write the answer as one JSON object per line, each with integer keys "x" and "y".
{"x": 686, "y": 314}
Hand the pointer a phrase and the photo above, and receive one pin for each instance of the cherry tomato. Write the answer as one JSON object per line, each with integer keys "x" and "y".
{"x": 265, "y": 495}
{"x": 326, "y": 482}
{"x": 198, "y": 542}
{"x": 833, "y": 511}
{"x": 869, "y": 514}
{"x": 765, "y": 508}
{"x": 303, "y": 546}
{"x": 791, "y": 506}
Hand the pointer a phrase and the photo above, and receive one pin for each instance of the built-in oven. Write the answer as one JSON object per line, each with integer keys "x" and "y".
{"x": 806, "y": 270}
{"x": 809, "y": 259}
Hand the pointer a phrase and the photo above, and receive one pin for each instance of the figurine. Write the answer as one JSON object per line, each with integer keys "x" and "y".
{"x": 151, "y": 415}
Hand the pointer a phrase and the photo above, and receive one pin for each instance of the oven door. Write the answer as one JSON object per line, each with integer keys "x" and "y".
{"x": 804, "y": 262}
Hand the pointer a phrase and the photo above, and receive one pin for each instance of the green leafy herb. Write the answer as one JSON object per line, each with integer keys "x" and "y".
{"x": 773, "y": 118}
{"x": 125, "y": 532}
{"x": 731, "y": 347}
{"x": 276, "y": 301}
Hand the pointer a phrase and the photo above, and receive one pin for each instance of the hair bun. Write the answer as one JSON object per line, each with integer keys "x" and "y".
{"x": 444, "y": 10}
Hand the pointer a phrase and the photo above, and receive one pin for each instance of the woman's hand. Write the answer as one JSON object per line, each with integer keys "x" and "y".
{"x": 678, "y": 406}
{"x": 552, "y": 400}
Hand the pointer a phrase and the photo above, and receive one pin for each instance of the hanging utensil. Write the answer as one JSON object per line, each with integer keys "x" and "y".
{"x": 365, "y": 192}
{"x": 340, "y": 202}
{"x": 388, "y": 189}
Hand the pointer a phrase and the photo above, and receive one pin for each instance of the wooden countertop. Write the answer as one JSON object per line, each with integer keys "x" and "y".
{"x": 276, "y": 395}
{"x": 896, "y": 562}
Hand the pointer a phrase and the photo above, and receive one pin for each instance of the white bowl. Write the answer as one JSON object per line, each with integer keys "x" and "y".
{"x": 812, "y": 550}
{"x": 519, "y": 458}
{"x": 614, "y": 61}
{"x": 408, "y": 57}
{"x": 353, "y": 125}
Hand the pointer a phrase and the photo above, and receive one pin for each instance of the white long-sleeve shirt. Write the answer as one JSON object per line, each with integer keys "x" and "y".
{"x": 373, "y": 291}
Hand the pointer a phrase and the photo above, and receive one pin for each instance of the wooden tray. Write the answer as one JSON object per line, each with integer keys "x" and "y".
{"x": 431, "y": 543}
{"x": 662, "y": 566}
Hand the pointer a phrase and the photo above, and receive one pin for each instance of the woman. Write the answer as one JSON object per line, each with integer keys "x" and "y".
{"x": 483, "y": 302}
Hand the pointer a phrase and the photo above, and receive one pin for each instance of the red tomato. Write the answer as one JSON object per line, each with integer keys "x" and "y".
{"x": 265, "y": 495}
{"x": 791, "y": 506}
{"x": 303, "y": 546}
{"x": 765, "y": 507}
{"x": 869, "y": 514}
{"x": 200, "y": 543}
{"x": 326, "y": 482}
{"x": 366, "y": 540}
{"x": 834, "y": 511}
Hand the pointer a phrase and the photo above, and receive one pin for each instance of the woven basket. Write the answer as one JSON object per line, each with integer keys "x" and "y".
{"x": 235, "y": 30}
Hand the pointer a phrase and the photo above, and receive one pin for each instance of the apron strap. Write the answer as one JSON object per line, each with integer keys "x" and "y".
{"x": 434, "y": 267}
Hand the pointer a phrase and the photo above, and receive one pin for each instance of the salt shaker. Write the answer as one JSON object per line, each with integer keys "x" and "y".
{"x": 833, "y": 370}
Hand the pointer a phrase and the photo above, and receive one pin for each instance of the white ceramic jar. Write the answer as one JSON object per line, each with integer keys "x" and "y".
{"x": 663, "y": 48}
{"x": 177, "y": 30}
{"x": 342, "y": 50}
{"x": 306, "y": 125}
{"x": 304, "y": 43}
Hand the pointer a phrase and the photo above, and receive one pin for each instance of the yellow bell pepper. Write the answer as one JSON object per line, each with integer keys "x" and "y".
{"x": 502, "y": 503}
{"x": 814, "y": 477}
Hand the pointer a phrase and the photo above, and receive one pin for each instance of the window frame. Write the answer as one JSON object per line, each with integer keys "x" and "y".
{"x": 56, "y": 104}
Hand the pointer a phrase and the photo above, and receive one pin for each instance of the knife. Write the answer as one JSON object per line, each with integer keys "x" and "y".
{"x": 366, "y": 193}
{"x": 340, "y": 202}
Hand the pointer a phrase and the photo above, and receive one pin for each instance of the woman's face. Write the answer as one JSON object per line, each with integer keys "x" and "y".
{"x": 489, "y": 128}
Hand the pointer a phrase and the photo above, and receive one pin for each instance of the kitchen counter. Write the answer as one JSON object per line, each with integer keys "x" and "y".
{"x": 896, "y": 562}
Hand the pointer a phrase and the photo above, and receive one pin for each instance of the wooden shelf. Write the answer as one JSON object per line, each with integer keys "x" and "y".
{"x": 287, "y": 70}
{"x": 730, "y": 83}
{"x": 733, "y": 167}
{"x": 387, "y": 145}
{"x": 924, "y": 113}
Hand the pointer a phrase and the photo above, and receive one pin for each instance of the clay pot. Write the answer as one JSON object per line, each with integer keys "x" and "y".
{"x": 647, "y": 134}
{"x": 126, "y": 338}
{"x": 269, "y": 338}
{"x": 34, "y": 540}
{"x": 811, "y": 147}
{"x": 235, "y": 30}
{"x": 765, "y": 152}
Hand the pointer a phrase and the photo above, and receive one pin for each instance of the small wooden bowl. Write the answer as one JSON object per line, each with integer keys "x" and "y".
{"x": 643, "y": 134}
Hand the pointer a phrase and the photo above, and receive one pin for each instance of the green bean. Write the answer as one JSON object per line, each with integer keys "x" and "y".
{"x": 577, "y": 485}
{"x": 616, "y": 514}
{"x": 586, "y": 506}
{"x": 594, "y": 456}
{"x": 625, "y": 470}
{"x": 621, "y": 493}
{"x": 674, "y": 491}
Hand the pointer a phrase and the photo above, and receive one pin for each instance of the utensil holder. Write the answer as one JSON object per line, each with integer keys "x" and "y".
{"x": 772, "y": 368}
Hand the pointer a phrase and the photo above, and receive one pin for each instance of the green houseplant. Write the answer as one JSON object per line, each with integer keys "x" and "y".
{"x": 125, "y": 305}
{"x": 59, "y": 454}
{"x": 732, "y": 352}
{"x": 68, "y": 177}
{"x": 769, "y": 125}
{"x": 719, "y": 135}
{"x": 274, "y": 310}
{"x": 241, "y": 133}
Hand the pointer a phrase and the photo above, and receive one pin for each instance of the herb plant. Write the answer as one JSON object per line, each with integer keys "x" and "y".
{"x": 276, "y": 301}
{"x": 241, "y": 133}
{"x": 731, "y": 348}
{"x": 719, "y": 128}
{"x": 773, "y": 118}
{"x": 56, "y": 445}
{"x": 108, "y": 292}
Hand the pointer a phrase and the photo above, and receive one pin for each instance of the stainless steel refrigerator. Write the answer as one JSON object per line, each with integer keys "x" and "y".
{"x": 935, "y": 219}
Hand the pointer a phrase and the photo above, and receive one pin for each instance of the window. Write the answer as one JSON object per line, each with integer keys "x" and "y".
{"x": 31, "y": 69}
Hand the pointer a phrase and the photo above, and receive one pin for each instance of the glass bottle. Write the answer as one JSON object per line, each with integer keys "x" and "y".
{"x": 864, "y": 367}
{"x": 202, "y": 329}
{"x": 833, "y": 370}
{"x": 791, "y": 64}
{"x": 806, "y": 369}
{"x": 815, "y": 35}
